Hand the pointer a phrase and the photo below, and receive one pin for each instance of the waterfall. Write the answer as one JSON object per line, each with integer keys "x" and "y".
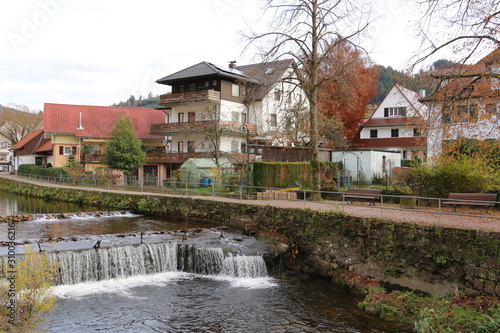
{"x": 132, "y": 260}
{"x": 115, "y": 262}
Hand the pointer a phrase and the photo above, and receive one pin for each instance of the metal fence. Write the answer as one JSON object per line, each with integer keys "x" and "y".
{"x": 300, "y": 196}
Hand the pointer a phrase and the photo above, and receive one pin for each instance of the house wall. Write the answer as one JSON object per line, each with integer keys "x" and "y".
{"x": 274, "y": 103}
{"x": 367, "y": 163}
{"x": 487, "y": 127}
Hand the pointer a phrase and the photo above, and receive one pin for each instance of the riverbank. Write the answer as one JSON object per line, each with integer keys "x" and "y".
{"x": 325, "y": 241}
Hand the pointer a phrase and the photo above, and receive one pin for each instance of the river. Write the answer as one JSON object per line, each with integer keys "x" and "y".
{"x": 179, "y": 300}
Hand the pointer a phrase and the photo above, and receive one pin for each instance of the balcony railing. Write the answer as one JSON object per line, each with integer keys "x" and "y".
{"x": 194, "y": 96}
{"x": 176, "y": 157}
{"x": 93, "y": 158}
{"x": 182, "y": 157}
{"x": 202, "y": 127}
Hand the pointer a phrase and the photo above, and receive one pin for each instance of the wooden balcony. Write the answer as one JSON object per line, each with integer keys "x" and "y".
{"x": 176, "y": 157}
{"x": 202, "y": 127}
{"x": 182, "y": 157}
{"x": 189, "y": 97}
{"x": 93, "y": 158}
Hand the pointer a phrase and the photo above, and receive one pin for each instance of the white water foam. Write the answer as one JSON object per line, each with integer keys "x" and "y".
{"x": 123, "y": 286}
{"x": 117, "y": 286}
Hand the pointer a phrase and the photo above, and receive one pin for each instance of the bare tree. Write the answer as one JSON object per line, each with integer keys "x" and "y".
{"x": 17, "y": 121}
{"x": 306, "y": 31}
{"x": 466, "y": 28}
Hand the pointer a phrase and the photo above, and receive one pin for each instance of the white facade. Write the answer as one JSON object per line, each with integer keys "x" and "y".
{"x": 486, "y": 126}
{"x": 396, "y": 125}
{"x": 365, "y": 164}
{"x": 5, "y": 155}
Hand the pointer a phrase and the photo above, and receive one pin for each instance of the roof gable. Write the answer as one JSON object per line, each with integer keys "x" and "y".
{"x": 98, "y": 121}
{"x": 400, "y": 96}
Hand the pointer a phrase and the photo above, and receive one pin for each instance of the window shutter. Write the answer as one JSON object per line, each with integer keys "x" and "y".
{"x": 61, "y": 150}
{"x": 386, "y": 112}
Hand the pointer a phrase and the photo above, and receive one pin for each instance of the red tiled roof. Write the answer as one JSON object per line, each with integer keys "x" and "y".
{"x": 47, "y": 146}
{"x": 471, "y": 83}
{"x": 27, "y": 139}
{"x": 98, "y": 121}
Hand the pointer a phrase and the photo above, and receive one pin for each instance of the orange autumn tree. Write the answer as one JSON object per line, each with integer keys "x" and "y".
{"x": 350, "y": 81}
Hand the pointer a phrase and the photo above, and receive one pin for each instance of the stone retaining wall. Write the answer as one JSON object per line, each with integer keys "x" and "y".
{"x": 422, "y": 257}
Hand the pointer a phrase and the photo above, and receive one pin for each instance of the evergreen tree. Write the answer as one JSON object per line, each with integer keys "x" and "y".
{"x": 124, "y": 150}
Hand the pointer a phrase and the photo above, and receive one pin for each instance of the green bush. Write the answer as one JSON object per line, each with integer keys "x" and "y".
{"x": 31, "y": 169}
{"x": 462, "y": 175}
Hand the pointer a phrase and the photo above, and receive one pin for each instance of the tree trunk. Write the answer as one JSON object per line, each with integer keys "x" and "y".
{"x": 313, "y": 108}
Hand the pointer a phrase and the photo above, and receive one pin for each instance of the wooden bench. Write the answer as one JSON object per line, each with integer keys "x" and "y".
{"x": 484, "y": 200}
{"x": 363, "y": 193}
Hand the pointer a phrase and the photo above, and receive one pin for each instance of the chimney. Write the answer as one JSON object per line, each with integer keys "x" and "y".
{"x": 80, "y": 127}
{"x": 422, "y": 93}
{"x": 232, "y": 64}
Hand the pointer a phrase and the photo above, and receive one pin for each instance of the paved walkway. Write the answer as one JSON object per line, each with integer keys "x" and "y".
{"x": 409, "y": 216}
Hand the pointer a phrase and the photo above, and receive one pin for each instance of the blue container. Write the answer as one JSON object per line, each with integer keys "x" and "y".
{"x": 206, "y": 182}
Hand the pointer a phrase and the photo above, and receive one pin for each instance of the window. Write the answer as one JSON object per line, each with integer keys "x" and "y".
{"x": 234, "y": 146}
{"x": 491, "y": 108}
{"x": 243, "y": 90}
{"x": 395, "y": 133}
{"x": 373, "y": 134}
{"x": 191, "y": 145}
{"x": 191, "y": 116}
{"x": 235, "y": 90}
{"x": 180, "y": 146}
{"x": 244, "y": 118}
{"x": 192, "y": 87}
{"x": 235, "y": 117}
{"x": 214, "y": 83}
{"x": 4, "y": 145}
{"x": 395, "y": 111}
{"x": 244, "y": 147}
{"x": 67, "y": 150}
{"x": 180, "y": 117}
{"x": 181, "y": 88}
{"x": 416, "y": 132}
{"x": 277, "y": 94}
{"x": 274, "y": 120}
{"x": 3, "y": 157}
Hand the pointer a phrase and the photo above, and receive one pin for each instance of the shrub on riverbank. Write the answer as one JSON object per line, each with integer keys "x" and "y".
{"x": 25, "y": 293}
{"x": 431, "y": 314}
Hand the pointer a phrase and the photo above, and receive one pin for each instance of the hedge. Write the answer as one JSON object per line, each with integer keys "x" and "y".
{"x": 31, "y": 169}
{"x": 289, "y": 174}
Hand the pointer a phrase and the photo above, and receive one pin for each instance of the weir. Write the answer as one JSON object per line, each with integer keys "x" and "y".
{"x": 124, "y": 261}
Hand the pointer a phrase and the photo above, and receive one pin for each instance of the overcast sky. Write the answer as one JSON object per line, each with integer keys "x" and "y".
{"x": 100, "y": 52}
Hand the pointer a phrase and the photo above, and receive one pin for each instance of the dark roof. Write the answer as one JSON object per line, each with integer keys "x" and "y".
{"x": 205, "y": 69}
{"x": 32, "y": 143}
{"x": 267, "y": 74}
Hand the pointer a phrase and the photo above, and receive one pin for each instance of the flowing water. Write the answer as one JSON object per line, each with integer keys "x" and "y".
{"x": 147, "y": 276}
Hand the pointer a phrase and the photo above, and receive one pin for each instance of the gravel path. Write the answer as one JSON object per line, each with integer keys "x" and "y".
{"x": 361, "y": 210}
